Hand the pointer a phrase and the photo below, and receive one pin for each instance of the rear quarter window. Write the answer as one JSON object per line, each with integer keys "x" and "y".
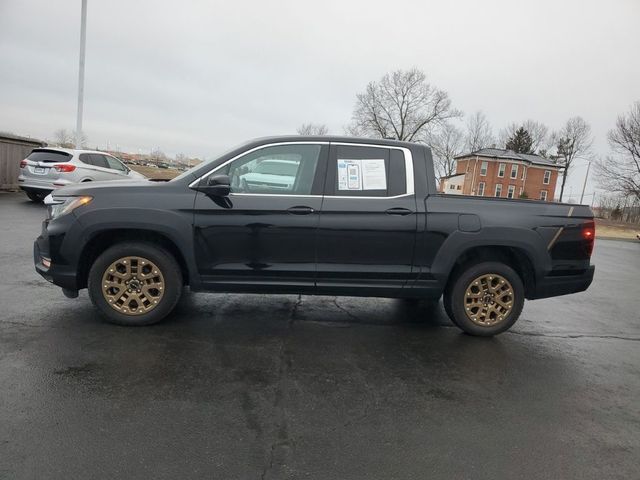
{"x": 49, "y": 156}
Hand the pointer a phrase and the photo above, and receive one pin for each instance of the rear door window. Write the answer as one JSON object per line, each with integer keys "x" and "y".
{"x": 365, "y": 171}
{"x": 99, "y": 160}
{"x": 49, "y": 156}
{"x": 358, "y": 171}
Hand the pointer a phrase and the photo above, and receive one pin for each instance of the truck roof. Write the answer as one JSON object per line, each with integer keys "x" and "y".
{"x": 334, "y": 138}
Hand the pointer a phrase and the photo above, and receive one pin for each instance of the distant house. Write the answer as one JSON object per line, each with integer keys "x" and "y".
{"x": 496, "y": 172}
{"x": 452, "y": 184}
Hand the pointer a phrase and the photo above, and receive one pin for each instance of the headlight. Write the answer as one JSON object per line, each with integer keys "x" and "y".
{"x": 59, "y": 206}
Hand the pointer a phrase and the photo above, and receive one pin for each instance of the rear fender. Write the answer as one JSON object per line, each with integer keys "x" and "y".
{"x": 526, "y": 240}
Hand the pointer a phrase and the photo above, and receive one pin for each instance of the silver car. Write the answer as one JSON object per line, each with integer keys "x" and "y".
{"x": 46, "y": 169}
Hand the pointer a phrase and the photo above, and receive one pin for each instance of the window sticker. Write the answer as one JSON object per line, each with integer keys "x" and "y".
{"x": 361, "y": 174}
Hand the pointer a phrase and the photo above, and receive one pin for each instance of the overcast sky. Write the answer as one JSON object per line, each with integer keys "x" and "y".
{"x": 199, "y": 76}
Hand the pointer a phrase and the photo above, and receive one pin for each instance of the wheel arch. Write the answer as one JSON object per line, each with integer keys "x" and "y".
{"x": 103, "y": 239}
{"x": 513, "y": 256}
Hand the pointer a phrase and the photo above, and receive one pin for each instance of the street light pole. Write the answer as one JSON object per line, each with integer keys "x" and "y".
{"x": 83, "y": 41}
{"x": 586, "y": 177}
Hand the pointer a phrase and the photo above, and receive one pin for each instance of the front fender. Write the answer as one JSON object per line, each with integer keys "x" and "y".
{"x": 176, "y": 226}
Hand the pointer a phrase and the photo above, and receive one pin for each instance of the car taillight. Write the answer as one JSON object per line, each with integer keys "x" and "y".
{"x": 23, "y": 163}
{"x": 64, "y": 167}
{"x": 589, "y": 234}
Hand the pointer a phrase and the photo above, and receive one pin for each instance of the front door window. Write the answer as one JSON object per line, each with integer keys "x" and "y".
{"x": 279, "y": 169}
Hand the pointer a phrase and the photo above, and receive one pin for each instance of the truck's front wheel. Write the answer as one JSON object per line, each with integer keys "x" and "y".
{"x": 135, "y": 283}
{"x": 485, "y": 299}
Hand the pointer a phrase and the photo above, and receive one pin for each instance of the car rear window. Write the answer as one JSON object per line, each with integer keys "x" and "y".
{"x": 49, "y": 156}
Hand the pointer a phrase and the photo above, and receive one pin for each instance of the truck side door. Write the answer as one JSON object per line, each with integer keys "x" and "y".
{"x": 368, "y": 222}
{"x": 262, "y": 237}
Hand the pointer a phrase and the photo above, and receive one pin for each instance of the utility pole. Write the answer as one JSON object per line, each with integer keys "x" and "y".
{"x": 586, "y": 177}
{"x": 83, "y": 41}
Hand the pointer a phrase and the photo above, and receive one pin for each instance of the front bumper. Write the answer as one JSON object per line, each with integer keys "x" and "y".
{"x": 553, "y": 286}
{"x": 47, "y": 247}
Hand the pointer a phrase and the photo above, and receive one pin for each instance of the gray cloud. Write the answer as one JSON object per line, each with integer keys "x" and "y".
{"x": 197, "y": 77}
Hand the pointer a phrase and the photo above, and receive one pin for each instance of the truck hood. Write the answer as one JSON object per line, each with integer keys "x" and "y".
{"x": 94, "y": 188}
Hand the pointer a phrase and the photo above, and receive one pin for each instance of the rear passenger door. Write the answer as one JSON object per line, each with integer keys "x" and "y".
{"x": 97, "y": 166}
{"x": 367, "y": 227}
{"x": 101, "y": 162}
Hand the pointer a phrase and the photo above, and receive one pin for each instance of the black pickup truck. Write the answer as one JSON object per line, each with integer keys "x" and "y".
{"x": 312, "y": 215}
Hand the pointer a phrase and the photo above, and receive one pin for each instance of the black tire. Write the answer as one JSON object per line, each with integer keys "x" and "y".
{"x": 454, "y": 298}
{"x": 36, "y": 197}
{"x": 166, "y": 263}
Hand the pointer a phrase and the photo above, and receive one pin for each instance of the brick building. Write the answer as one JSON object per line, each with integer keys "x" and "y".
{"x": 496, "y": 172}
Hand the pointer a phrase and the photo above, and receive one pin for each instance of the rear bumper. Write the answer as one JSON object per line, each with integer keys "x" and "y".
{"x": 553, "y": 286}
{"x": 28, "y": 182}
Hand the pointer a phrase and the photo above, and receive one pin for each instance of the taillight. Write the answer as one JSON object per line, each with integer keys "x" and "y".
{"x": 64, "y": 167}
{"x": 589, "y": 234}
{"x": 23, "y": 163}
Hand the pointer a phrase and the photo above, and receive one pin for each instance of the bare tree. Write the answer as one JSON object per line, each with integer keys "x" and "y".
{"x": 539, "y": 133}
{"x": 66, "y": 139}
{"x": 621, "y": 173}
{"x": 573, "y": 141}
{"x": 402, "y": 105}
{"x": 158, "y": 156}
{"x": 446, "y": 143}
{"x": 63, "y": 138}
{"x": 478, "y": 132}
{"x": 312, "y": 129}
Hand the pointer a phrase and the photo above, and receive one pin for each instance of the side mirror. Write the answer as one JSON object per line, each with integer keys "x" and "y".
{"x": 217, "y": 186}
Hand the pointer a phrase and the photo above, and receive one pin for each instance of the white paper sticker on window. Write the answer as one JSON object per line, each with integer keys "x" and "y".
{"x": 361, "y": 174}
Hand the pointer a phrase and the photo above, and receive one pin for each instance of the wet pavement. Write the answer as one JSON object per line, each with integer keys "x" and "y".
{"x": 251, "y": 386}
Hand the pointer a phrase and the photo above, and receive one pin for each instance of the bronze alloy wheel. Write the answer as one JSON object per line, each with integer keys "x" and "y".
{"x": 488, "y": 300}
{"x": 133, "y": 285}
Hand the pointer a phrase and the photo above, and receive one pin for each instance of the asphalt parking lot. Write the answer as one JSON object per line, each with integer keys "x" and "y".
{"x": 250, "y": 386}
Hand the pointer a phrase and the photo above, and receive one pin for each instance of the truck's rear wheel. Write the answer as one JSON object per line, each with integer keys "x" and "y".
{"x": 135, "y": 283}
{"x": 485, "y": 299}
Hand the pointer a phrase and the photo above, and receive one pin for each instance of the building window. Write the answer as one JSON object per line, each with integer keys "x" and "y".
{"x": 524, "y": 170}
{"x": 481, "y": 189}
{"x": 501, "y": 169}
{"x": 452, "y": 187}
{"x": 499, "y": 190}
{"x": 547, "y": 177}
{"x": 521, "y": 190}
{"x": 483, "y": 169}
{"x": 514, "y": 171}
{"x": 543, "y": 195}
{"x": 511, "y": 191}
{"x": 459, "y": 187}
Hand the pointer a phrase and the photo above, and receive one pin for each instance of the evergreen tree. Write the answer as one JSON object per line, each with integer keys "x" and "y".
{"x": 520, "y": 142}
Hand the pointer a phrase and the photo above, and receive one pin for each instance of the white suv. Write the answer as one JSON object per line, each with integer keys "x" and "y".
{"x": 46, "y": 169}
